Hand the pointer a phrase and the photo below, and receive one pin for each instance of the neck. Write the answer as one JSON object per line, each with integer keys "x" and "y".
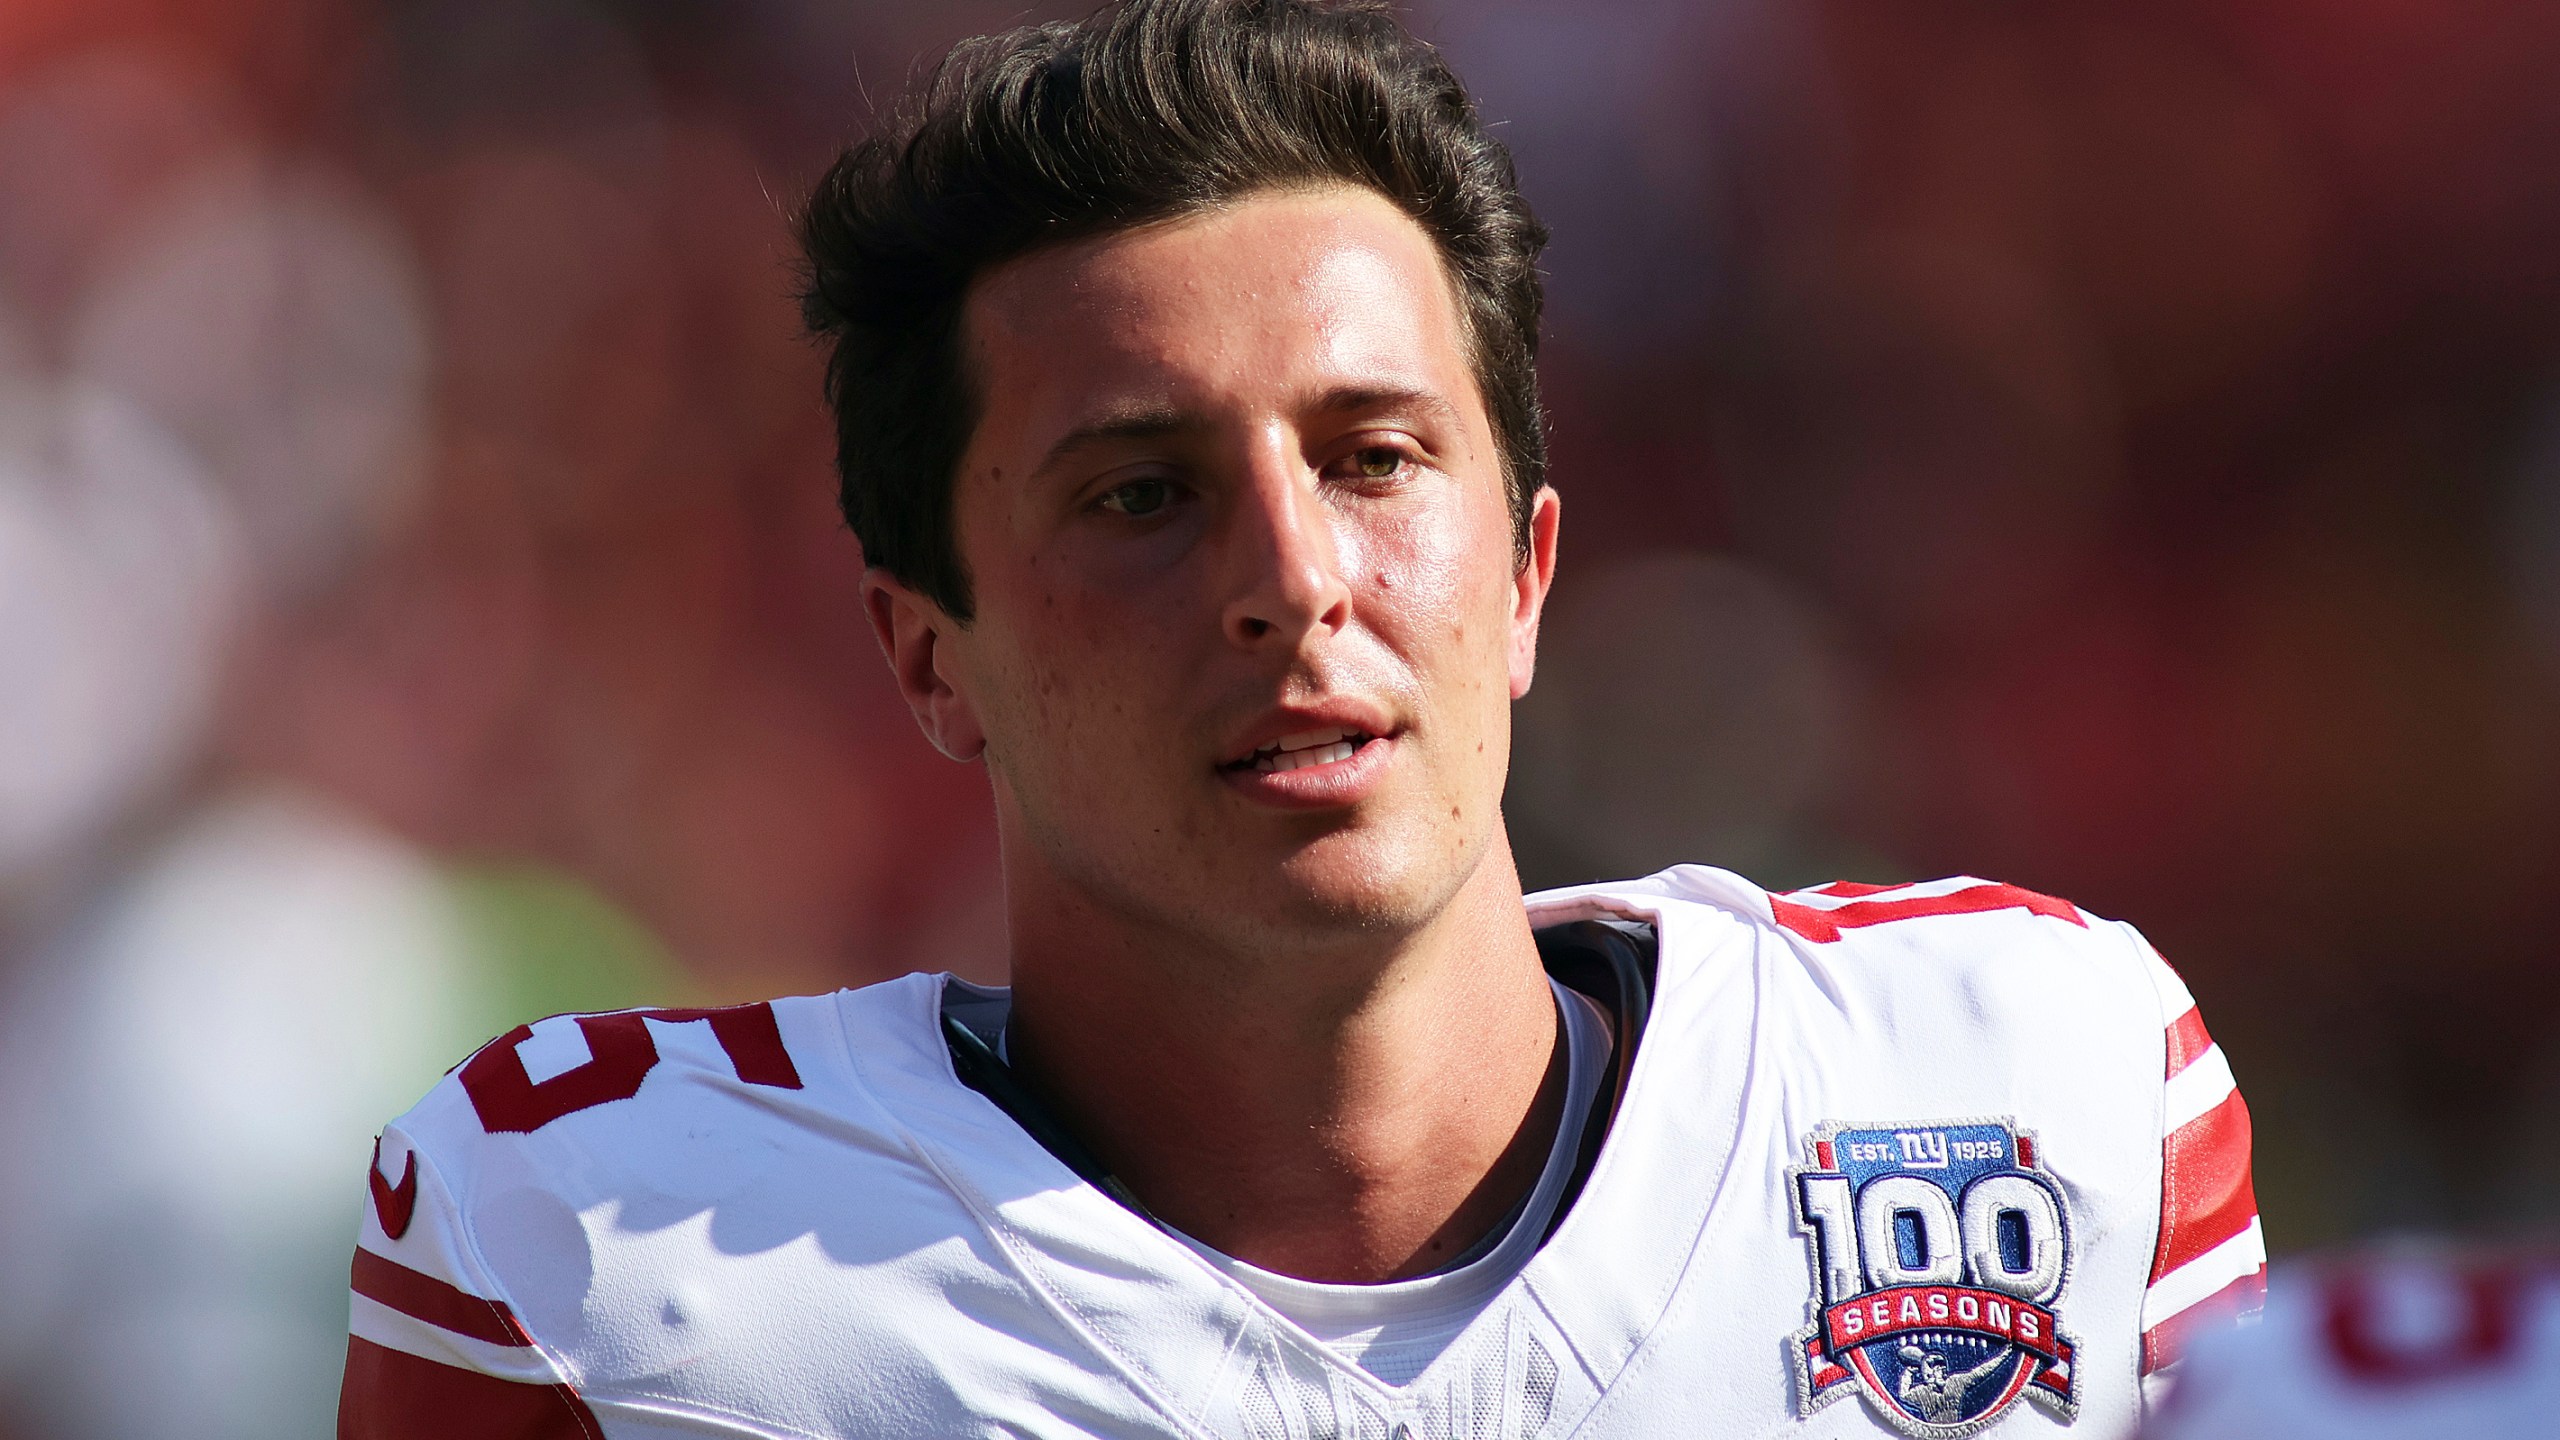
{"x": 1342, "y": 1111}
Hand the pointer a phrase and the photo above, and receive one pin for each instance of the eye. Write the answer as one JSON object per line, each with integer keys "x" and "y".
{"x": 1378, "y": 462}
{"x": 1138, "y": 498}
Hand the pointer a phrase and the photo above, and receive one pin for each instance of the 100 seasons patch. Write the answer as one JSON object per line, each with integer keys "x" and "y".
{"x": 1939, "y": 1253}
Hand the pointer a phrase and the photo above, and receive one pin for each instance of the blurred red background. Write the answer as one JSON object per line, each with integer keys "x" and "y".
{"x": 2114, "y": 449}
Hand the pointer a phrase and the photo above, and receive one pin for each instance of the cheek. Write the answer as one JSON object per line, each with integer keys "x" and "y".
{"x": 1440, "y": 597}
{"x": 1074, "y": 685}
{"x": 1443, "y": 580}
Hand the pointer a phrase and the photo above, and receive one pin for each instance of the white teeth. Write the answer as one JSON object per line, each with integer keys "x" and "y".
{"x": 1305, "y": 738}
{"x": 1299, "y": 759}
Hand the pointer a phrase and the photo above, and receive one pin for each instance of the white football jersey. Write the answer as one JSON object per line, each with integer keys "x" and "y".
{"x": 2390, "y": 1345}
{"x": 1933, "y": 1158}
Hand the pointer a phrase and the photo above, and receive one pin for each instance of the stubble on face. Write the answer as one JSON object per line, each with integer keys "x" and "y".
{"x": 1236, "y": 374}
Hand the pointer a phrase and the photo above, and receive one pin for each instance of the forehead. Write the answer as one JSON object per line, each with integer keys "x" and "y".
{"x": 1273, "y": 293}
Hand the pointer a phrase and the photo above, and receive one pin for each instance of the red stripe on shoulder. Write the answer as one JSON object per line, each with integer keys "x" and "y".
{"x": 2163, "y": 1343}
{"x": 2187, "y": 1040}
{"x": 421, "y": 1296}
{"x": 2206, "y": 1194}
{"x": 392, "y": 1395}
{"x": 1821, "y": 923}
{"x": 1851, "y": 889}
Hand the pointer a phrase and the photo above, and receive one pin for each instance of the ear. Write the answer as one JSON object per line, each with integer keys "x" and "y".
{"x": 915, "y": 635}
{"x": 1529, "y": 588}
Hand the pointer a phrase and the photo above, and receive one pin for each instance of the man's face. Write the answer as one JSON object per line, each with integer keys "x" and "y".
{"x": 1248, "y": 618}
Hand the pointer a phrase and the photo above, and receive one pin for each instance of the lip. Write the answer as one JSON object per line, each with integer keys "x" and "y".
{"x": 1333, "y": 784}
{"x": 1285, "y": 720}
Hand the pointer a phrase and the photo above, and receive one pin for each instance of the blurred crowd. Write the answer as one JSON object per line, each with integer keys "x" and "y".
{"x": 2113, "y": 450}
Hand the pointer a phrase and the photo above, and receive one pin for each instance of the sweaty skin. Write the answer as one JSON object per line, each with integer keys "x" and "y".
{"x": 1233, "y": 485}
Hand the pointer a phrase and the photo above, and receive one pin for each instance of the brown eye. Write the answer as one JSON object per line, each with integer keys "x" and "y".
{"x": 1378, "y": 462}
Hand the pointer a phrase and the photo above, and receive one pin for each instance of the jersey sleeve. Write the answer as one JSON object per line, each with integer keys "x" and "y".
{"x": 434, "y": 1348}
{"x": 2209, "y": 1268}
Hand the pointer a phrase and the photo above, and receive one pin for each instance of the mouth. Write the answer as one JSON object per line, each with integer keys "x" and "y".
{"x": 1326, "y": 746}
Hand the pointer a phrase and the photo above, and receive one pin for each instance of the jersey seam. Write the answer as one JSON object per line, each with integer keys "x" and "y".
{"x": 1077, "y": 1320}
{"x": 996, "y": 1231}
{"x": 677, "y": 1405}
{"x": 2162, "y": 1226}
{"x": 1647, "y": 1350}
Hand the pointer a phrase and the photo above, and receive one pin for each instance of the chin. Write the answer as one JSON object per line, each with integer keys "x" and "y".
{"x": 1371, "y": 883}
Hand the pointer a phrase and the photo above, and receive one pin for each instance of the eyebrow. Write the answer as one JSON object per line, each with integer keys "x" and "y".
{"x": 1155, "y": 421}
{"x": 1414, "y": 399}
{"x": 1137, "y": 422}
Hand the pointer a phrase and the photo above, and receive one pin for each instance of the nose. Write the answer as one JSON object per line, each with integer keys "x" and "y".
{"x": 1285, "y": 567}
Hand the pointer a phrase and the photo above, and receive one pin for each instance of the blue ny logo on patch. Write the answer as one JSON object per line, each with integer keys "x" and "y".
{"x": 1939, "y": 1252}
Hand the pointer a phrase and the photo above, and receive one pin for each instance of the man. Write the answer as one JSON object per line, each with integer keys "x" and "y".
{"x": 1183, "y": 372}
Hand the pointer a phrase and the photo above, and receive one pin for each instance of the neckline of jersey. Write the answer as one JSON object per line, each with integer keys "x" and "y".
{"x": 1421, "y": 1314}
{"x": 1010, "y": 1181}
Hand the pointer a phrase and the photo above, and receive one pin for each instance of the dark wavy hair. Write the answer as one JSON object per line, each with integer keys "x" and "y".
{"x": 1145, "y": 111}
